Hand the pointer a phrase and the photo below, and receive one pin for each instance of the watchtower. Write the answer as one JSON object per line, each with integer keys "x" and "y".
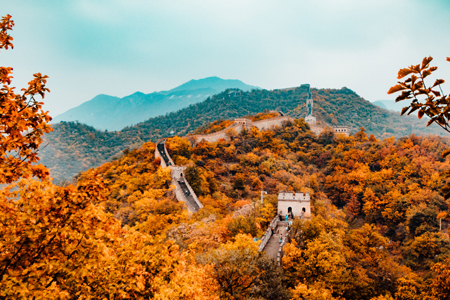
{"x": 297, "y": 203}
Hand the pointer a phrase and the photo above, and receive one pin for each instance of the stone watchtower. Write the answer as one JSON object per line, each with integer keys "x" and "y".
{"x": 297, "y": 203}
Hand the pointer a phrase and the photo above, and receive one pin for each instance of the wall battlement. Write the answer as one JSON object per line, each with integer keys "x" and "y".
{"x": 287, "y": 196}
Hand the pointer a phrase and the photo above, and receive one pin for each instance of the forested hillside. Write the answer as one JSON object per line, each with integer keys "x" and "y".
{"x": 74, "y": 147}
{"x": 383, "y": 241}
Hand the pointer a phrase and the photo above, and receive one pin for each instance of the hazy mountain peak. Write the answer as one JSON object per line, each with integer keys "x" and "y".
{"x": 114, "y": 113}
{"x": 214, "y": 82}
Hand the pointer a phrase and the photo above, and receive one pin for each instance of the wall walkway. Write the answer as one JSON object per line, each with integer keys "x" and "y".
{"x": 239, "y": 125}
{"x": 183, "y": 190}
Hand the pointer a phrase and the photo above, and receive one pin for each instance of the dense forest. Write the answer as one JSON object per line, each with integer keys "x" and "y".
{"x": 73, "y": 147}
{"x": 376, "y": 204}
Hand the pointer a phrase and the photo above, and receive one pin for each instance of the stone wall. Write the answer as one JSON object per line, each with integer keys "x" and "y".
{"x": 158, "y": 155}
{"x": 239, "y": 125}
{"x": 345, "y": 130}
{"x": 280, "y": 253}
{"x": 271, "y": 123}
{"x": 337, "y": 129}
{"x": 268, "y": 234}
{"x": 176, "y": 173}
{"x": 215, "y": 136}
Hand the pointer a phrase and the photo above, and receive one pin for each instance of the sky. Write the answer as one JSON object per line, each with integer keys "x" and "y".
{"x": 118, "y": 47}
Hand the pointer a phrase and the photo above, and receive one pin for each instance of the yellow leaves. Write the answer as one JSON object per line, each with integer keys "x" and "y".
{"x": 315, "y": 291}
{"x": 242, "y": 241}
{"x": 442, "y": 215}
{"x": 321, "y": 260}
{"x": 178, "y": 146}
{"x": 190, "y": 281}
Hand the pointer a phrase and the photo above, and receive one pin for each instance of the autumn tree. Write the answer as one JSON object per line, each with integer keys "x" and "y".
{"x": 242, "y": 272}
{"x": 428, "y": 100}
{"x": 22, "y": 120}
{"x": 57, "y": 242}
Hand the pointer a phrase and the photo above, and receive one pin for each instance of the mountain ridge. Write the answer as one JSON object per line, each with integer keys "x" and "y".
{"x": 74, "y": 147}
{"x": 106, "y": 112}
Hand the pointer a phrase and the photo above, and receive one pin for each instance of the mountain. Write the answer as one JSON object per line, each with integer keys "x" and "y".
{"x": 390, "y": 104}
{"x": 74, "y": 147}
{"x": 106, "y": 112}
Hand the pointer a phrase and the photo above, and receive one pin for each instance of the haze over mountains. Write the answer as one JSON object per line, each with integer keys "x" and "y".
{"x": 390, "y": 104}
{"x": 111, "y": 113}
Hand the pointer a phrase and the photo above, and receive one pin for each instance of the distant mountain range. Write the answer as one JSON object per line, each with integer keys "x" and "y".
{"x": 74, "y": 147}
{"x": 106, "y": 112}
{"x": 391, "y": 104}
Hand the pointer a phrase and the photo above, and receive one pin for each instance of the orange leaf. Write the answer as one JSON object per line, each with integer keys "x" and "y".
{"x": 396, "y": 88}
{"x": 403, "y": 72}
{"x": 420, "y": 114}
{"x": 445, "y": 153}
{"x": 404, "y": 110}
{"x": 426, "y": 62}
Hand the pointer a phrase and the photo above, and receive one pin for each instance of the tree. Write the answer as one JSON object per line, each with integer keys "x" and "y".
{"x": 353, "y": 206}
{"x": 430, "y": 101}
{"x": 243, "y": 272}
{"x": 434, "y": 103}
{"x": 441, "y": 282}
{"x": 22, "y": 120}
{"x": 57, "y": 242}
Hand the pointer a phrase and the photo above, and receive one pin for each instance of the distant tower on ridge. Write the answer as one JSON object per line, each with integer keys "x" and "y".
{"x": 310, "y": 119}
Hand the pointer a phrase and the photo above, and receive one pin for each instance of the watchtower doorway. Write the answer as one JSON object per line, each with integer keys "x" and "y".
{"x": 289, "y": 210}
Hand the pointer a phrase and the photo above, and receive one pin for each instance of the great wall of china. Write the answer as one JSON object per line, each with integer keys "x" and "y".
{"x": 239, "y": 125}
{"x": 277, "y": 234}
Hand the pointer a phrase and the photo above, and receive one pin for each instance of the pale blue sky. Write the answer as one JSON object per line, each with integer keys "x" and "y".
{"x": 117, "y": 47}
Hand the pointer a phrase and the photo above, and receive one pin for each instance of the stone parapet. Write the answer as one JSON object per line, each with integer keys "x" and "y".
{"x": 268, "y": 234}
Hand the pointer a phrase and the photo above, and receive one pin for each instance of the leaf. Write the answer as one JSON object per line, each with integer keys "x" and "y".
{"x": 448, "y": 58}
{"x": 438, "y": 82}
{"x": 445, "y": 153}
{"x": 404, "y": 110}
{"x": 404, "y": 72}
{"x": 420, "y": 114}
{"x": 403, "y": 96}
{"x": 436, "y": 93}
{"x": 396, "y": 88}
{"x": 426, "y": 62}
{"x": 426, "y": 73}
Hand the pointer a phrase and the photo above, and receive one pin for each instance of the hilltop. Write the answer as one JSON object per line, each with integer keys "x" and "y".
{"x": 111, "y": 113}
{"x": 73, "y": 147}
